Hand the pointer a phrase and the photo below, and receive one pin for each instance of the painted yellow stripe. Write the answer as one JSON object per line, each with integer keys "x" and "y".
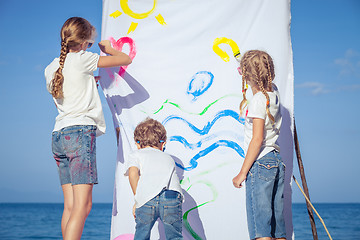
{"x": 160, "y": 19}
{"x": 115, "y": 14}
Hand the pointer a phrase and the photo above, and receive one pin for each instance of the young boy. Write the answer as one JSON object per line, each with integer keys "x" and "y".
{"x": 154, "y": 182}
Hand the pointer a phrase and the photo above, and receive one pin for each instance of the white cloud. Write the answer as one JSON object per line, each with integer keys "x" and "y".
{"x": 316, "y": 88}
{"x": 349, "y": 64}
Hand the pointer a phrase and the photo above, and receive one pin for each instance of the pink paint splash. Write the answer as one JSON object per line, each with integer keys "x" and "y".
{"x": 125, "y": 237}
{"x": 67, "y": 137}
{"x": 118, "y": 45}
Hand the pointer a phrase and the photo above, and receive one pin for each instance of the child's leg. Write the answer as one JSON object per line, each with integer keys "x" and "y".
{"x": 259, "y": 196}
{"x": 146, "y": 216}
{"x": 74, "y": 149}
{"x": 68, "y": 205}
{"x": 81, "y": 209}
{"x": 171, "y": 214}
{"x": 62, "y": 162}
{"x": 280, "y": 231}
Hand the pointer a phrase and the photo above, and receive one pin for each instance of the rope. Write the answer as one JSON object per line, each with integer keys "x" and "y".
{"x": 307, "y": 199}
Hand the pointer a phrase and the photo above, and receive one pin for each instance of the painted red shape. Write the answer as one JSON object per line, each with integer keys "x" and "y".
{"x": 118, "y": 45}
{"x": 67, "y": 137}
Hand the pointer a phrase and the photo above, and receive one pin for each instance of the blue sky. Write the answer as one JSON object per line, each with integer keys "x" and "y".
{"x": 325, "y": 39}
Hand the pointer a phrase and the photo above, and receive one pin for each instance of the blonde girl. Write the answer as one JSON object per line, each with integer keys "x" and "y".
{"x": 71, "y": 82}
{"x": 263, "y": 170}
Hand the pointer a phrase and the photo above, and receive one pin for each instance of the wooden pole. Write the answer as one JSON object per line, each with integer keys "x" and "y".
{"x": 303, "y": 180}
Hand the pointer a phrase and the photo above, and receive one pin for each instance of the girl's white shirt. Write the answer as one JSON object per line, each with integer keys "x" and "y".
{"x": 156, "y": 170}
{"x": 257, "y": 109}
{"x": 81, "y": 104}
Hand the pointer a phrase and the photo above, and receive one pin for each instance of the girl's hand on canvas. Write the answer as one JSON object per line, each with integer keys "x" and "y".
{"x": 238, "y": 180}
{"x": 105, "y": 46}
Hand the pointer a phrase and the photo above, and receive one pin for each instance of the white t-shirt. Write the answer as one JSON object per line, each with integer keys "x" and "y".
{"x": 81, "y": 104}
{"x": 157, "y": 171}
{"x": 257, "y": 109}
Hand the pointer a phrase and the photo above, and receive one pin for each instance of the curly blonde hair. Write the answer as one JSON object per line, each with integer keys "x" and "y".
{"x": 150, "y": 133}
{"x": 74, "y": 32}
{"x": 257, "y": 67}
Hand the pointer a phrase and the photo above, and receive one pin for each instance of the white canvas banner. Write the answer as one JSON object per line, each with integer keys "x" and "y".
{"x": 184, "y": 75}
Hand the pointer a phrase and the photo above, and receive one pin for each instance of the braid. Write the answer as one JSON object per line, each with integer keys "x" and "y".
{"x": 258, "y": 68}
{"x": 245, "y": 74}
{"x": 269, "y": 73}
{"x": 63, "y": 52}
{"x": 75, "y": 31}
{"x": 262, "y": 89}
{"x": 260, "y": 83}
{"x": 57, "y": 82}
{"x": 244, "y": 101}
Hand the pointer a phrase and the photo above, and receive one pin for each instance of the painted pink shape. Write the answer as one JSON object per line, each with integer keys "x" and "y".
{"x": 125, "y": 237}
{"x": 118, "y": 45}
{"x": 67, "y": 137}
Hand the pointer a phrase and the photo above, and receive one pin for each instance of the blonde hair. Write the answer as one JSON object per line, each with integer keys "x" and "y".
{"x": 74, "y": 32}
{"x": 257, "y": 67}
{"x": 150, "y": 133}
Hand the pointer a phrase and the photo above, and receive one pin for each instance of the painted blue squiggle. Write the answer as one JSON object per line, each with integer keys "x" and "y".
{"x": 192, "y": 146}
{"x": 189, "y": 145}
{"x": 220, "y": 143}
{"x": 208, "y": 126}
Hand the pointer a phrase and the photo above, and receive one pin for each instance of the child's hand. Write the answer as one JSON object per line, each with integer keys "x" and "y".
{"x": 105, "y": 46}
{"x": 238, "y": 180}
{"x": 133, "y": 211}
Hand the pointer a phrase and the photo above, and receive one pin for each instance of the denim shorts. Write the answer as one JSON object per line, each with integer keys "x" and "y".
{"x": 74, "y": 150}
{"x": 265, "y": 198}
{"x": 167, "y": 206}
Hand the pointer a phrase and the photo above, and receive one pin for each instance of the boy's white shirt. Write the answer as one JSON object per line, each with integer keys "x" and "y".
{"x": 156, "y": 170}
{"x": 81, "y": 104}
{"x": 257, "y": 109}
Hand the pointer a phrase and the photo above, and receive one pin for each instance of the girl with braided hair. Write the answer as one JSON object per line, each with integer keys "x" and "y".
{"x": 71, "y": 82}
{"x": 263, "y": 169}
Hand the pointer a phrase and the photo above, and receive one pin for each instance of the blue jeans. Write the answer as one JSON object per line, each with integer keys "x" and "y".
{"x": 74, "y": 150}
{"x": 265, "y": 198}
{"x": 168, "y": 206}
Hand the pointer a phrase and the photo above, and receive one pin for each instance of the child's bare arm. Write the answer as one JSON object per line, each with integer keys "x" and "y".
{"x": 133, "y": 178}
{"x": 253, "y": 151}
{"x": 116, "y": 57}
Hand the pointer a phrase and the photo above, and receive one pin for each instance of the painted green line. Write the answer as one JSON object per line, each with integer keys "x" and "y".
{"x": 215, "y": 195}
{"x": 185, "y": 216}
{"x": 167, "y": 101}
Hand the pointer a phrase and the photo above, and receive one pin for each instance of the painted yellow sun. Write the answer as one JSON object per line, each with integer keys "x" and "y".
{"x": 125, "y": 7}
